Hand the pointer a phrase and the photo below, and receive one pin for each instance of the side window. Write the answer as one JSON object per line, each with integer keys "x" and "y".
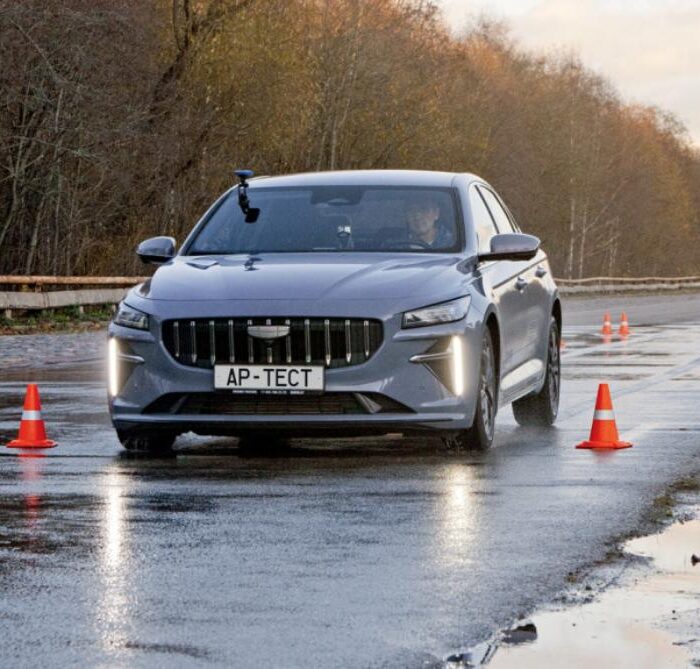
{"x": 483, "y": 222}
{"x": 502, "y": 219}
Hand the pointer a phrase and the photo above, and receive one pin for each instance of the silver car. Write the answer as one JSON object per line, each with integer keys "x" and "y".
{"x": 339, "y": 303}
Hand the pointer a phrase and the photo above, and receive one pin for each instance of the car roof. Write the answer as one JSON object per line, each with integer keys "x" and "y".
{"x": 364, "y": 178}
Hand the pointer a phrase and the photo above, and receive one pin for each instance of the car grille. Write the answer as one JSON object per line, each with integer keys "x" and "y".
{"x": 241, "y": 405}
{"x": 332, "y": 342}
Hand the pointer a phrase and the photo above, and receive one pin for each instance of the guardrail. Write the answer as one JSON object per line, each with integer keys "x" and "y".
{"x": 48, "y": 292}
{"x": 617, "y": 284}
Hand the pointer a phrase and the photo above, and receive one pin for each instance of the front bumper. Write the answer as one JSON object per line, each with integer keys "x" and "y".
{"x": 146, "y": 372}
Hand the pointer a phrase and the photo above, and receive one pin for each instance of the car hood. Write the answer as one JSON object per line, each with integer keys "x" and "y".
{"x": 331, "y": 276}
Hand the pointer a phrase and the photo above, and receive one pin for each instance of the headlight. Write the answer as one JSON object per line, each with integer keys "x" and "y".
{"x": 446, "y": 312}
{"x": 128, "y": 317}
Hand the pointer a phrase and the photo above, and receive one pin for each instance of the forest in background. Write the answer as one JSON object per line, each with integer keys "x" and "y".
{"x": 124, "y": 120}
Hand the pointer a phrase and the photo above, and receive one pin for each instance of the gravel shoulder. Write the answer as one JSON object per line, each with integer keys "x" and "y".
{"x": 42, "y": 350}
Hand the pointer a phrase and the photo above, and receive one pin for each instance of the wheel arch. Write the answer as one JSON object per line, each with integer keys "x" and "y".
{"x": 491, "y": 323}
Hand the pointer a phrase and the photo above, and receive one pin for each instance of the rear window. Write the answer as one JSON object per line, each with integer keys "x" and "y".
{"x": 333, "y": 218}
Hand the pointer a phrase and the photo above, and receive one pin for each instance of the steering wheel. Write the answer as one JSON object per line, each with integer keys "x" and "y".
{"x": 413, "y": 244}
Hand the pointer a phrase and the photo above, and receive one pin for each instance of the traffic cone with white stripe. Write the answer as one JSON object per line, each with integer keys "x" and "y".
{"x": 32, "y": 433}
{"x": 607, "y": 324}
{"x": 624, "y": 325}
{"x": 604, "y": 429}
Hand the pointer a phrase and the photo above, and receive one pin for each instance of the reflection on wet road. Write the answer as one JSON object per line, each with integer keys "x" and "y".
{"x": 374, "y": 552}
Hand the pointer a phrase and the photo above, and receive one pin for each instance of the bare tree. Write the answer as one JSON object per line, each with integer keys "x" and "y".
{"x": 123, "y": 120}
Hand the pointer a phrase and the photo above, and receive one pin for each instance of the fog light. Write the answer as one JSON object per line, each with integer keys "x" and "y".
{"x": 457, "y": 346}
{"x": 112, "y": 367}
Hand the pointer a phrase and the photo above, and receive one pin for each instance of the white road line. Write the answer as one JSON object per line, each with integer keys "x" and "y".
{"x": 644, "y": 384}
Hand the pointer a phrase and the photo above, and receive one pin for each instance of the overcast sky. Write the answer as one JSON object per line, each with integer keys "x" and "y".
{"x": 650, "y": 49}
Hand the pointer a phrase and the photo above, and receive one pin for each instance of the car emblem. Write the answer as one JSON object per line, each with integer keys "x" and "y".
{"x": 268, "y": 331}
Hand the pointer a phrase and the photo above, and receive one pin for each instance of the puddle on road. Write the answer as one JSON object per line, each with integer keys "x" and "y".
{"x": 34, "y": 524}
{"x": 649, "y": 622}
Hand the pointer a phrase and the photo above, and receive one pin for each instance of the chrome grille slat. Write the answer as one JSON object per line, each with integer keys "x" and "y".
{"x": 348, "y": 342}
{"x": 327, "y": 341}
{"x": 288, "y": 342}
{"x": 268, "y": 348}
{"x": 251, "y": 346}
{"x": 331, "y": 342}
{"x": 212, "y": 342}
{"x": 193, "y": 334}
{"x": 366, "y": 334}
{"x": 231, "y": 342}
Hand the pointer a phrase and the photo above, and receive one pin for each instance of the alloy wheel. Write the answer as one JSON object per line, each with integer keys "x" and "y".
{"x": 554, "y": 370}
{"x": 487, "y": 391}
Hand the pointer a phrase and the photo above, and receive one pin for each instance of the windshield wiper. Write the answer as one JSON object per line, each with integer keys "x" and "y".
{"x": 251, "y": 213}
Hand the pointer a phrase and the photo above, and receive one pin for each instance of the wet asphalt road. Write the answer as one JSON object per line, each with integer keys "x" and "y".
{"x": 371, "y": 553}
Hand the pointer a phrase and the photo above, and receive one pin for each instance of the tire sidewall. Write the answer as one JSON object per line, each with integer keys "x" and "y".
{"x": 478, "y": 435}
{"x": 552, "y": 409}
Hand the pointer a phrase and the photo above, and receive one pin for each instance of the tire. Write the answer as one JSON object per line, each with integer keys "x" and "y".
{"x": 541, "y": 409}
{"x": 479, "y": 436}
{"x": 148, "y": 443}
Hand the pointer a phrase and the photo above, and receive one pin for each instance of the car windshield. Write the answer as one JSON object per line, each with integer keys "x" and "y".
{"x": 333, "y": 218}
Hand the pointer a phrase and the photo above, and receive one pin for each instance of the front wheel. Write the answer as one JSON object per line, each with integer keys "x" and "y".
{"x": 479, "y": 436}
{"x": 541, "y": 409}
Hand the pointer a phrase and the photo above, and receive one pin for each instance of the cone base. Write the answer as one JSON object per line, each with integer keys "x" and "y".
{"x": 607, "y": 445}
{"x": 21, "y": 443}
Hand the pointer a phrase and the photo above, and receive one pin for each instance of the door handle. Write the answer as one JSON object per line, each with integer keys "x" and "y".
{"x": 520, "y": 283}
{"x": 540, "y": 272}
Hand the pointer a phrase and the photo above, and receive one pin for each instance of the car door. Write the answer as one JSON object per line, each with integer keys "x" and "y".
{"x": 533, "y": 299}
{"x": 540, "y": 286}
{"x": 499, "y": 280}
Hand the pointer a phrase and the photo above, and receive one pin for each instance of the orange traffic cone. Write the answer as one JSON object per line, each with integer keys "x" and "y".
{"x": 32, "y": 433}
{"x": 604, "y": 430}
{"x": 624, "y": 325}
{"x": 607, "y": 325}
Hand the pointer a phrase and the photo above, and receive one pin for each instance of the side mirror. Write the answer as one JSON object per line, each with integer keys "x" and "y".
{"x": 512, "y": 246}
{"x": 156, "y": 250}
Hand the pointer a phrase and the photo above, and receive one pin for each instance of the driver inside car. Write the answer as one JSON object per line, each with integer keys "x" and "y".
{"x": 423, "y": 226}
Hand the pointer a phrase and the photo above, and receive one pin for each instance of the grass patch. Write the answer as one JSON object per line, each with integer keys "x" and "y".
{"x": 68, "y": 319}
{"x": 687, "y": 484}
{"x": 613, "y": 555}
{"x": 662, "y": 507}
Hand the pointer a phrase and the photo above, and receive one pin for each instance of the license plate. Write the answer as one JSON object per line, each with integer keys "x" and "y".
{"x": 275, "y": 378}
